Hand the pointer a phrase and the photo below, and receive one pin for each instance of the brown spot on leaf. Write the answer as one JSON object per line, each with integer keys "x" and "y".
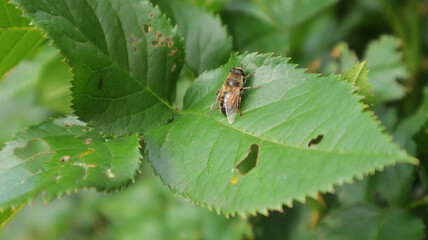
{"x": 335, "y": 52}
{"x": 89, "y": 151}
{"x": 68, "y": 125}
{"x": 133, "y": 41}
{"x": 173, "y": 51}
{"x": 314, "y": 66}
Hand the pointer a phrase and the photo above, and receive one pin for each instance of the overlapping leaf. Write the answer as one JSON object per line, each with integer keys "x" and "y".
{"x": 386, "y": 68}
{"x": 54, "y": 86}
{"x": 17, "y": 38}
{"x": 61, "y": 155}
{"x": 8, "y": 214}
{"x": 310, "y": 133}
{"x": 18, "y": 94}
{"x": 123, "y": 54}
{"x": 358, "y": 75}
{"x": 207, "y": 43}
{"x": 268, "y": 26}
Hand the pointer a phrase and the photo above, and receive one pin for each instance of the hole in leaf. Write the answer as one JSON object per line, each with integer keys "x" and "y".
{"x": 36, "y": 163}
{"x": 68, "y": 125}
{"x": 154, "y": 43}
{"x": 35, "y": 153}
{"x": 250, "y": 161}
{"x": 316, "y": 140}
{"x": 34, "y": 147}
{"x": 147, "y": 28}
{"x": 151, "y": 15}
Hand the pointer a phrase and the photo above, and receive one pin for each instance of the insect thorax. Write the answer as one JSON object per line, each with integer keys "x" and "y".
{"x": 234, "y": 81}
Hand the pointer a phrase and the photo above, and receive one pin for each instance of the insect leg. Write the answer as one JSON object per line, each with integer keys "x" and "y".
{"x": 250, "y": 87}
{"x": 240, "y": 114}
{"x": 249, "y": 75}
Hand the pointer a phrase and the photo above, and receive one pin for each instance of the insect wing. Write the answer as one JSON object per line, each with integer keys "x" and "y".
{"x": 231, "y": 101}
{"x": 217, "y": 98}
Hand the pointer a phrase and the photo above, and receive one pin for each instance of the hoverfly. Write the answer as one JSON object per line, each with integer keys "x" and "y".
{"x": 230, "y": 93}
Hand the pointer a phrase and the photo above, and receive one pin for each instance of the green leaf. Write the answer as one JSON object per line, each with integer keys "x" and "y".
{"x": 271, "y": 26}
{"x": 368, "y": 222}
{"x": 123, "y": 54}
{"x": 144, "y": 210}
{"x": 164, "y": 217}
{"x": 53, "y": 85}
{"x": 8, "y": 214}
{"x": 417, "y": 141}
{"x": 62, "y": 155}
{"x": 252, "y": 30}
{"x": 393, "y": 185}
{"x": 358, "y": 76}
{"x": 410, "y": 126}
{"x": 207, "y": 43}
{"x": 294, "y": 12}
{"x": 18, "y": 94}
{"x": 17, "y": 37}
{"x": 386, "y": 67}
{"x": 390, "y": 187}
{"x": 197, "y": 154}
{"x": 421, "y": 139}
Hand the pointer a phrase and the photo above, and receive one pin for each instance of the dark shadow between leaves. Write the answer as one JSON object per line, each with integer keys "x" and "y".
{"x": 100, "y": 81}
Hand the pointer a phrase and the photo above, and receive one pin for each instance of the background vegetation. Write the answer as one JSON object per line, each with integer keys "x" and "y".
{"x": 141, "y": 90}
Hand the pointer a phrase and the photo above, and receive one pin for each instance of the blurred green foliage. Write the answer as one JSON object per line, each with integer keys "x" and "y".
{"x": 145, "y": 210}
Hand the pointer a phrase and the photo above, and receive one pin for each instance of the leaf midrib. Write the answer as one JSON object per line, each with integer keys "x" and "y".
{"x": 291, "y": 146}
